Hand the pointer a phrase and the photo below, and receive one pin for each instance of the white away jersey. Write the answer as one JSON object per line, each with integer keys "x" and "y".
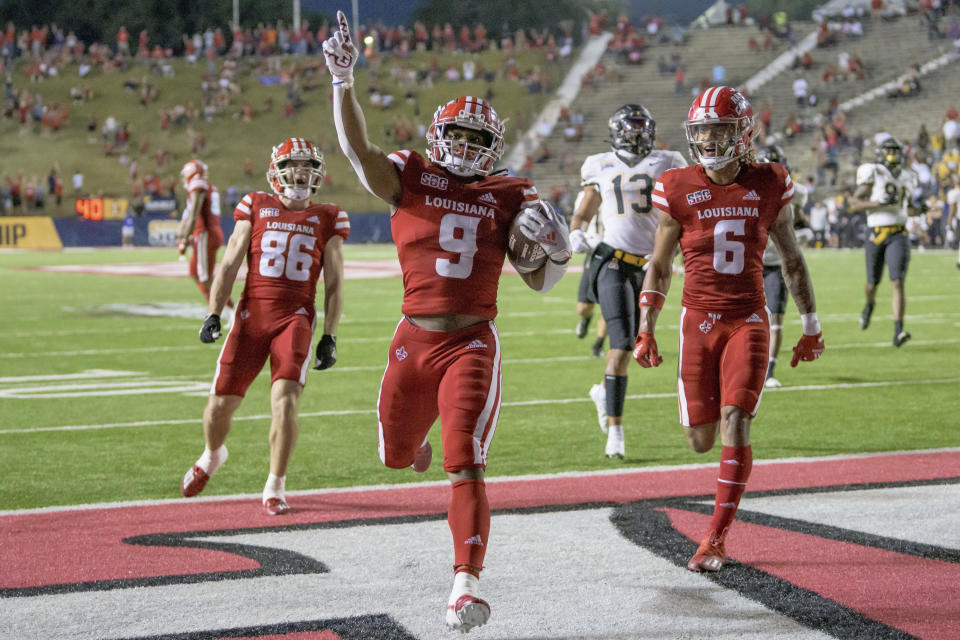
{"x": 626, "y": 212}
{"x": 896, "y": 190}
{"x": 771, "y": 257}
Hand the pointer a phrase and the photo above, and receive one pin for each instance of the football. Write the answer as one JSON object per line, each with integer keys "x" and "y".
{"x": 525, "y": 254}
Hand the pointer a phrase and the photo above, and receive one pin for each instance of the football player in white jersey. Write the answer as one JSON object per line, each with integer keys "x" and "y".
{"x": 774, "y": 286}
{"x": 618, "y": 184}
{"x": 888, "y": 192}
{"x": 586, "y": 292}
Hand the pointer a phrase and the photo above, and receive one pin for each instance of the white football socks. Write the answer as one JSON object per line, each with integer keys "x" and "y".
{"x": 274, "y": 487}
{"x": 210, "y": 461}
{"x": 464, "y": 583}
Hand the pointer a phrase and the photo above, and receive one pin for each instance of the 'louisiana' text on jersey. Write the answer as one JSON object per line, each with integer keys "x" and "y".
{"x": 459, "y": 207}
{"x": 723, "y": 212}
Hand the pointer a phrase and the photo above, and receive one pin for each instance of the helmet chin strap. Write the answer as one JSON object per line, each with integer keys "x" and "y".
{"x": 455, "y": 164}
{"x": 296, "y": 194}
{"x": 628, "y": 156}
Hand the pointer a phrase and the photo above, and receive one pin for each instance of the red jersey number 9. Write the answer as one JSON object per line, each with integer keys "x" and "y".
{"x": 453, "y": 225}
{"x": 284, "y": 254}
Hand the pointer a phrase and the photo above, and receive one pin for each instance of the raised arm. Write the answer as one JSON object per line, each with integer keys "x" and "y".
{"x": 375, "y": 171}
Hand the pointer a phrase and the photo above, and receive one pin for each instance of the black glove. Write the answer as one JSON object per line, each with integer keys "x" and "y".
{"x": 210, "y": 330}
{"x": 326, "y": 352}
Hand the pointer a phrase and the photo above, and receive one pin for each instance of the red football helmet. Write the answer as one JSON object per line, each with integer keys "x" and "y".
{"x": 460, "y": 157}
{"x": 719, "y": 127}
{"x": 193, "y": 169}
{"x": 283, "y": 177}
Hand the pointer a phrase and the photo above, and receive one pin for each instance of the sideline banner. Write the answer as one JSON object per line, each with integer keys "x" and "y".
{"x": 29, "y": 232}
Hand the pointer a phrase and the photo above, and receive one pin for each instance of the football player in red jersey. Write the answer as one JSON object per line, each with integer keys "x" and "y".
{"x": 200, "y": 225}
{"x": 286, "y": 241}
{"x": 721, "y": 211}
{"x": 450, "y": 221}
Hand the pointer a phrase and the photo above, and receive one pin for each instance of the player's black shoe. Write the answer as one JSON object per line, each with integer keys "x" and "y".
{"x": 598, "y": 348}
{"x": 865, "y": 316}
{"x": 582, "y": 326}
{"x": 901, "y": 338}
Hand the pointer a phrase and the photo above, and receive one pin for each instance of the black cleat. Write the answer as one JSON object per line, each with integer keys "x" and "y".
{"x": 865, "y": 316}
{"x": 582, "y": 326}
{"x": 901, "y": 338}
{"x": 598, "y": 348}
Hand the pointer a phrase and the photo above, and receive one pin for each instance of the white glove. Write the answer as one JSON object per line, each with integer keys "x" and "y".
{"x": 579, "y": 242}
{"x": 547, "y": 228}
{"x": 340, "y": 53}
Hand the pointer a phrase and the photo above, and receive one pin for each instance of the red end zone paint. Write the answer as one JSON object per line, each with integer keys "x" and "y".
{"x": 862, "y": 578}
{"x": 86, "y": 545}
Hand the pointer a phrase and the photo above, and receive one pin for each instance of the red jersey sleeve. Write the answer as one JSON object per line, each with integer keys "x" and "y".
{"x": 783, "y": 177}
{"x": 242, "y": 212}
{"x": 342, "y": 225}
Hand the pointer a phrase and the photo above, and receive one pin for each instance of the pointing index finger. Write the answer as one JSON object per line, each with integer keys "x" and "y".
{"x": 344, "y": 26}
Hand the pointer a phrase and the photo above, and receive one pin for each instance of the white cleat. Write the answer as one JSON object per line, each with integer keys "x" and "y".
{"x": 772, "y": 383}
{"x": 226, "y": 318}
{"x": 615, "y": 448}
{"x": 465, "y": 608}
{"x": 599, "y": 396}
{"x": 468, "y": 612}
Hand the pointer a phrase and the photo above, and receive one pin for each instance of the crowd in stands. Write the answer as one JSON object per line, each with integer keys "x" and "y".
{"x": 273, "y": 54}
{"x": 934, "y": 154}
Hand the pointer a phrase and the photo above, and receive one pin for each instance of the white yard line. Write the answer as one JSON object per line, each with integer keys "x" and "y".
{"x": 519, "y": 403}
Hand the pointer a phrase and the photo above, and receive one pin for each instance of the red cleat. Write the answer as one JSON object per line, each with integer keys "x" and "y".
{"x": 194, "y": 482}
{"x": 710, "y": 555}
{"x": 422, "y": 460}
{"x": 276, "y": 506}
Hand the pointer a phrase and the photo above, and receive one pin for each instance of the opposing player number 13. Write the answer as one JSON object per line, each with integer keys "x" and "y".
{"x": 458, "y": 234}
{"x": 728, "y": 253}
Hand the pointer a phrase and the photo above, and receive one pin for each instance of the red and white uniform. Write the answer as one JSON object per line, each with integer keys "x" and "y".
{"x": 276, "y": 314}
{"x": 207, "y": 232}
{"x": 724, "y": 329}
{"x": 451, "y": 237}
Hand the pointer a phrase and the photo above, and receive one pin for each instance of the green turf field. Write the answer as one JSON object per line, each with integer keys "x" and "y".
{"x": 64, "y": 339}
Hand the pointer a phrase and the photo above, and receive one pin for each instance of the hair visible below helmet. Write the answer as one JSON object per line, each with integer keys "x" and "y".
{"x": 890, "y": 154}
{"x": 632, "y": 129}
{"x": 716, "y": 108}
{"x": 772, "y": 153}
{"x": 282, "y": 176}
{"x": 463, "y": 158}
{"x": 191, "y": 170}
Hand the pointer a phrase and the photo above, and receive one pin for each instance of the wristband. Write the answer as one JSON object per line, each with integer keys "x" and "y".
{"x": 651, "y": 298}
{"x": 346, "y": 83}
{"x": 811, "y": 325}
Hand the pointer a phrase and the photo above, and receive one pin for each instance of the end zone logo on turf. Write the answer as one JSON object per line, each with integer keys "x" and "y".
{"x": 826, "y": 557}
